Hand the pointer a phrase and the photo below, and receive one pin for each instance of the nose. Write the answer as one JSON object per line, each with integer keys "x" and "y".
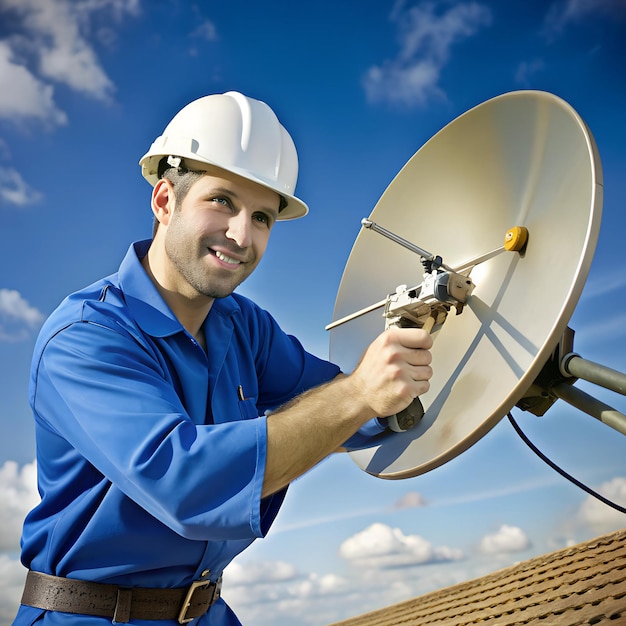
{"x": 239, "y": 229}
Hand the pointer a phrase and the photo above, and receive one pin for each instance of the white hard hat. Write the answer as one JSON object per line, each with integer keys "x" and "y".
{"x": 237, "y": 134}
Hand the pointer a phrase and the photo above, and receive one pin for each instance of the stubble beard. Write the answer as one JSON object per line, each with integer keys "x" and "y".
{"x": 189, "y": 259}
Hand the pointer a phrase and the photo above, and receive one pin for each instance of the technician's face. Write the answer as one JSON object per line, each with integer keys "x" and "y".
{"x": 219, "y": 233}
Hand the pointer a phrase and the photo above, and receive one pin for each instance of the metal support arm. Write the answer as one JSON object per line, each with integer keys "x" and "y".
{"x": 574, "y": 365}
{"x": 591, "y": 406}
{"x": 556, "y": 381}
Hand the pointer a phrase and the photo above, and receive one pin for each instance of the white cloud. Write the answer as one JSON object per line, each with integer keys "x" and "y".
{"x": 273, "y": 593}
{"x": 318, "y": 586}
{"x": 527, "y": 70}
{"x": 63, "y": 55}
{"x": 13, "y": 305}
{"x": 611, "y": 328}
{"x": 23, "y": 94}
{"x": 51, "y": 45}
{"x": 17, "y": 317}
{"x": 561, "y": 14}
{"x": 314, "y": 598}
{"x": 18, "y": 494}
{"x": 14, "y": 189}
{"x": 611, "y": 281}
{"x": 119, "y": 7}
{"x": 268, "y": 572}
{"x": 205, "y": 30}
{"x": 600, "y": 517}
{"x": 426, "y": 36}
{"x": 278, "y": 594}
{"x": 379, "y": 547}
{"x": 507, "y": 539}
{"x": 277, "y": 581}
{"x": 12, "y": 575}
{"x": 410, "y": 500}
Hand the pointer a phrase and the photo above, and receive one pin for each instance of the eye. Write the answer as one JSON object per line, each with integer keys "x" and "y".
{"x": 263, "y": 218}
{"x": 222, "y": 200}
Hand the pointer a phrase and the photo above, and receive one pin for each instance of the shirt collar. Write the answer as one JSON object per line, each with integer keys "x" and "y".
{"x": 145, "y": 302}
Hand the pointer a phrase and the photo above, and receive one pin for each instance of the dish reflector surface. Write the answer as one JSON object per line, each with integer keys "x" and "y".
{"x": 524, "y": 158}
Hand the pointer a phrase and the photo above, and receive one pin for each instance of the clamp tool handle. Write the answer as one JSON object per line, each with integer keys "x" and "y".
{"x": 410, "y": 417}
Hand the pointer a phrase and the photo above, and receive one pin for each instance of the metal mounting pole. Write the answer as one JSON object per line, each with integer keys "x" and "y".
{"x": 574, "y": 365}
{"x": 555, "y": 382}
{"x": 591, "y": 406}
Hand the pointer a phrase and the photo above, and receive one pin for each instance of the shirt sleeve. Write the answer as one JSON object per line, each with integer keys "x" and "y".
{"x": 105, "y": 394}
{"x": 368, "y": 435}
{"x": 280, "y": 383}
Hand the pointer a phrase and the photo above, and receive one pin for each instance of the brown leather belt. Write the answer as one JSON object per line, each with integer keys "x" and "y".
{"x": 121, "y": 604}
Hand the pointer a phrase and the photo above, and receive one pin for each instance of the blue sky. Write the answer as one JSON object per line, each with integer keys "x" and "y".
{"x": 86, "y": 86}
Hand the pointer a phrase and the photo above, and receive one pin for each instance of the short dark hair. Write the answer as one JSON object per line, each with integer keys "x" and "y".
{"x": 182, "y": 180}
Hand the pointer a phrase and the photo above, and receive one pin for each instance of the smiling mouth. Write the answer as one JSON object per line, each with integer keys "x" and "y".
{"x": 226, "y": 259}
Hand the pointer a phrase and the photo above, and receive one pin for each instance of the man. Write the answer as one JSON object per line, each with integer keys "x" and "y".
{"x": 171, "y": 413}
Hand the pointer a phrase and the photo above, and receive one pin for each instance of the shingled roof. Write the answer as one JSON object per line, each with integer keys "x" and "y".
{"x": 581, "y": 585}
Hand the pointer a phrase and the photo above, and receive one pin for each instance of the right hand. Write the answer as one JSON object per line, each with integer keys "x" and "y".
{"x": 394, "y": 370}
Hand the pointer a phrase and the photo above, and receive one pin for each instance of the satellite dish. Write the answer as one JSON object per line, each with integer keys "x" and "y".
{"x": 521, "y": 162}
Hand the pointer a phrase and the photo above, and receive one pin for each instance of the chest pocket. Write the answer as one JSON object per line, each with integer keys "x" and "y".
{"x": 248, "y": 409}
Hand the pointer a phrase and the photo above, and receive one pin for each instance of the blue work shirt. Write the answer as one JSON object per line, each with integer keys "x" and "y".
{"x": 151, "y": 451}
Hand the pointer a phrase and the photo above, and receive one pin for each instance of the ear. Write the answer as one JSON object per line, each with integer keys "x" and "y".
{"x": 163, "y": 201}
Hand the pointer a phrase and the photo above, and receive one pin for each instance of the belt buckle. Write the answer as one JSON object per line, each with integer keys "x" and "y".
{"x": 196, "y": 584}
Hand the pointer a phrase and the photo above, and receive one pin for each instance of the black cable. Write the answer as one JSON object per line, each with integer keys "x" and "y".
{"x": 561, "y": 471}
